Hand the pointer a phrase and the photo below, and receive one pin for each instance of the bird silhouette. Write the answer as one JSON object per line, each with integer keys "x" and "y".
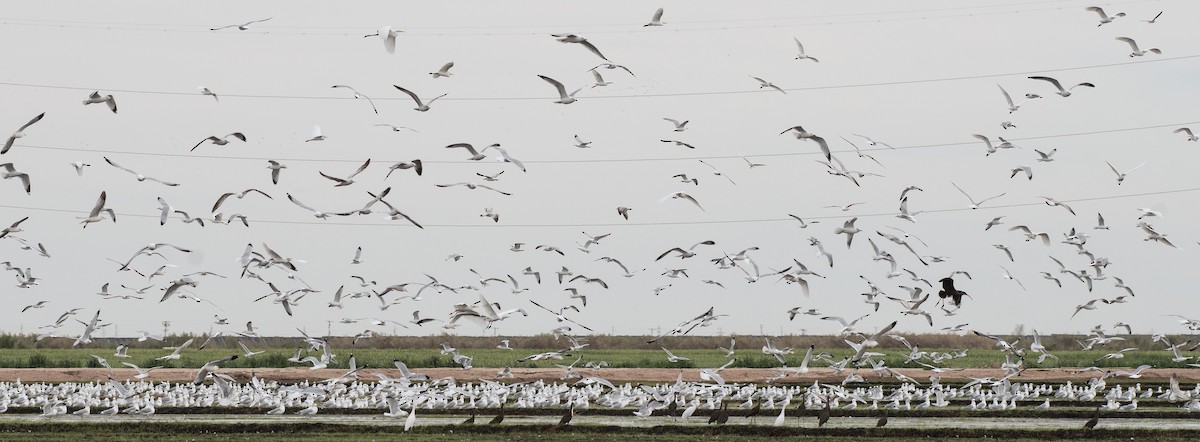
{"x": 948, "y": 291}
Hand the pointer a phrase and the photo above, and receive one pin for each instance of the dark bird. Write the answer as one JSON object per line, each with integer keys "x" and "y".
{"x": 499, "y": 416}
{"x": 752, "y": 413}
{"x": 823, "y": 416}
{"x": 1091, "y": 423}
{"x": 566, "y": 419}
{"x": 948, "y": 291}
{"x": 470, "y": 420}
{"x": 882, "y": 420}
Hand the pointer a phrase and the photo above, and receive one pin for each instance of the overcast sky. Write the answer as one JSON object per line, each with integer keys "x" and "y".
{"x": 877, "y": 60}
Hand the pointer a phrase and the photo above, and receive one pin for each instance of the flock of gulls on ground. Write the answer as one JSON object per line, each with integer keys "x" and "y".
{"x": 279, "y": 275}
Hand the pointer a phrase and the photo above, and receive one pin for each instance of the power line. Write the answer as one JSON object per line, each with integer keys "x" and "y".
{"x": 624, "y": 27}
{"x": 560, "y": 26}
{"x": 606, "y": 160}
{"x": 598, "y": 97}
{"x": 651, "y": 224}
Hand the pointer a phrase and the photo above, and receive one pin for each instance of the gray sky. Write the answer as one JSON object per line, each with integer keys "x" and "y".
{"x": 682, "y": 68}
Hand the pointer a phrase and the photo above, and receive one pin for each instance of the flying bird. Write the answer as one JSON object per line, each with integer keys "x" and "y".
{"x": 388, "y": 35}
{"x": 356, "y": 96}
{"x": 563, "y": 96}
{"x": 241, "y": 27}
{"x": 572, "y": 38}
{"x": 801, "y": 55}
{"x": 1132, "y": 44}
{"x": 139, "y": 176}
{"x": 656, "y": 20}
{"x": 106, "y": 99}
{"x": 1057, "y": 85}
{"x": 444, "y": 71}
{"x": 20, "y": 133}
{"x": 220, "y": 141}
{"x": 421, "y": 106}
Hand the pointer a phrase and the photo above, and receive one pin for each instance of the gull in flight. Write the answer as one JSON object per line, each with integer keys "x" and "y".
{"x": 1053, "y": 202}
{"x": 20, "y": 133}
{"x": 474, "y": 186}
{"x": 671, "y": 356}
{"x": 685, "y": 253}
{"x": 974, "y": 204}
{"x": 396, "y": 128}
{"x": 1057, "y": 85}
{"x": 582, "y": 144}
{"x": 444, "y": 71}
{"x": 718, "y": 172}
{"x": 316, "y": 134}
{"x": 316, "y": 213}
{"x": 275, "y": 167}
{"x": 106, "y": 99}
{"x": 79, "y": 165}
{"x": 1012, "y": 107}
{"x": 801, "y": 55}
{"x": 1044, "y": 157}
{"x": 241, "y": 27}
{"x": 572, "y": 38}
{"x": 388, "y": 35}
{"x": 8, "y": 171}
{"x": 558, "y": 314}
{"x": 599, "y": 79}
{"x": 563, "y": 97}
{"x": 238, "y": 195}
{"x": 139, "y": 176}
{"x": 683, "y": 196}
{"x": 849, "y": 229}
{"x": 766, "y": 84}
{"x": 656, "y": 20}
{"x": 1007, "y": 275}
{"x": 871, "y": 142}
{"x": 1155, "y": 19}
{"x": 350, "y": 179}
{"x": 624, "y": 212}
{"x": 220, "y": 141}
{"x": 1121, "y": 176}
{"x": 1190, "y": 135}
{"x": 1026, "y": 169}
{"x": 679, "y": 126}
{"x": 357, "y": 96}
{"x": 417, "y": 165}
{"x": 1133, "y": 44}
{"x": 421, "y": 106}
{"x": 802, "y": 134}
{"x": 679, "y": 143}
{"x": 175, "y": 354}
{"x": 206, "y": 91}
{"x": 95, "y": 215}
{"x": 1105, "y": 18}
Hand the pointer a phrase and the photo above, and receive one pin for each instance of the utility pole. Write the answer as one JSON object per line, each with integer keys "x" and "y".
{"x": 166, "y": 325}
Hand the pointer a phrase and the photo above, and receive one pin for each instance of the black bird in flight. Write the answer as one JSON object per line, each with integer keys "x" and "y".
{"x": 948, "y": 291}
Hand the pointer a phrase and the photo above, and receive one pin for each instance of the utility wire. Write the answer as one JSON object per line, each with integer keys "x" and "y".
{"x": 666, "y": 94}
{"x": 603, "y": 160}
{"x": 644, "y": 224}
{"x": 623, "y": 27}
